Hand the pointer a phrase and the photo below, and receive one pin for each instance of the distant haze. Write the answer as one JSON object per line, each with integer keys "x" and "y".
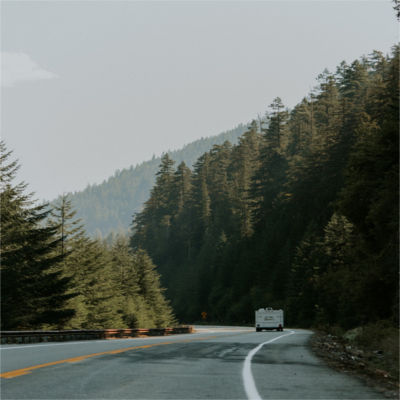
{"x": 90, "y": 87}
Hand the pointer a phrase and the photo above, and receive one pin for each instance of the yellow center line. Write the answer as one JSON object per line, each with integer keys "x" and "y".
{"x": 24, "y": 371}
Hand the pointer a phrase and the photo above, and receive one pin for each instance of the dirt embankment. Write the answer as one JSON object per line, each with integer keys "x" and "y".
{"x": 378, "y": 367}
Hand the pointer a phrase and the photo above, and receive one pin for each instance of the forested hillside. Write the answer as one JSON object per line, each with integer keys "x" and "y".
{"x": 53, "y": 276}
{"x": 301, "y": 214}
{"x": 109, "y": 206}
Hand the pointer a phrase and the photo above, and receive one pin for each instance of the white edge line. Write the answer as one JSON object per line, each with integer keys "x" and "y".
{"x": 248, "y": 380}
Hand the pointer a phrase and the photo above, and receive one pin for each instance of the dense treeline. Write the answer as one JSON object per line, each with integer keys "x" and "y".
{"x": 54, "y": 276}
{"x": 108, "y": 207}
{"x": 301, "y": 214}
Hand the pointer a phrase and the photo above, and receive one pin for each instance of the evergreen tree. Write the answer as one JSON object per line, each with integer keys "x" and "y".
{"x": 153, "y": 224}
{"x": 62, "y": 216}
{"x": 243, "y": 167}
{"x": 126, "y": 283}
{"x": 200, "y": 199}
{"x": 152, "y": 292}
{"x": 33, "y": 294}
{"x": 271, "y": 174}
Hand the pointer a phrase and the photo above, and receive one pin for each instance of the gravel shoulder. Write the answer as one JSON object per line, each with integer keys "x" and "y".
{"x": 368, "y": 365}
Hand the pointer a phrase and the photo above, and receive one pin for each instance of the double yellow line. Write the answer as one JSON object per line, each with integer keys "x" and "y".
{"x": 24, "y": 371}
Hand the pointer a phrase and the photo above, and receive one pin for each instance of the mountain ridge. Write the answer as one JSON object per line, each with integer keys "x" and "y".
{"x": 108, "y": 207}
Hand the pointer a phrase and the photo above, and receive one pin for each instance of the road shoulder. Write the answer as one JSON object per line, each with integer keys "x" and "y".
{"x": 353, "y": 361}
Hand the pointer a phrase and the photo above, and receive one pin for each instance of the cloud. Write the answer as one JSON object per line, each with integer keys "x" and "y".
{"x": 19, "y": 67}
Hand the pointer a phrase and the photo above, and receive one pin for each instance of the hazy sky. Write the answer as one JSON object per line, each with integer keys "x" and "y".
{"x": 89, "y": 87}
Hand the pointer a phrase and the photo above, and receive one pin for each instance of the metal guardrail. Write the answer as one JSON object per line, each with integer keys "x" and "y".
{"x": 16, "y": 337}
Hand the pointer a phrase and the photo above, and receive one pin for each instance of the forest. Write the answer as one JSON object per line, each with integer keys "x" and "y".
{"x": 301, "y": 214}
{"x": 54, "y": 276}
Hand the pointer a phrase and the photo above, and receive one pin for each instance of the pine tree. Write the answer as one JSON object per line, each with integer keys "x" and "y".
{"x": 152, "y": 225}
{"x": 181, "y": 188}
{"x": 63, "y": 217}
{"x": 32, "y": 293}
{"x": 180, "y": 196}
{"x": 200, "y": 200}
{"x": 268, "y": 180}
{"x": 150, "y": 289}
{"x": 243, "y": 167}
{"x": 220, "y": 189}
{"x": 98, "y": 301}
{"x": 133, "y": 309}
{"x": 277, "y": 119}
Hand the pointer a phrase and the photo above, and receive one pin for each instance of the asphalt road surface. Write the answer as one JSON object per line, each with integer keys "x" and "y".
{"x": 213, "y": 363}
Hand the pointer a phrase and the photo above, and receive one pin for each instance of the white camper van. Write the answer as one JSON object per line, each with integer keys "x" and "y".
{"x": 267, "y": 318}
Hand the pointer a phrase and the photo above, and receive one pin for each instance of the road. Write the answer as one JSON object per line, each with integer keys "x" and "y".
{"x": 213, "y": 363}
